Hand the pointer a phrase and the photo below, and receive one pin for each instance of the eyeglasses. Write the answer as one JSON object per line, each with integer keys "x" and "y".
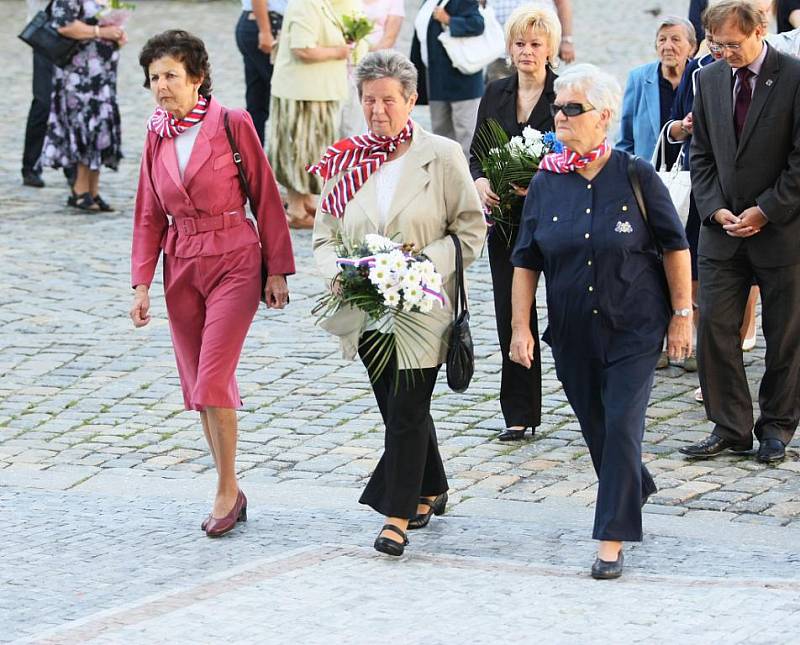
{"x": 570, "y": 109}
{"x": 718, "y": 48}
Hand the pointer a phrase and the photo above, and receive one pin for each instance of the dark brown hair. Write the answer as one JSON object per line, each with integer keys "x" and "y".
{"x": 182, "y": 46}
{"x": 745, "y": 13}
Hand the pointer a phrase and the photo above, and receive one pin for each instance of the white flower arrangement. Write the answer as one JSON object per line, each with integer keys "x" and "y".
{"x": 388, "y": 281}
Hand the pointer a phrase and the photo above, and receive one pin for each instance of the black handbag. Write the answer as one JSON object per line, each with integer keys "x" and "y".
{"x": 460, "y": 352}
{"x": 237, "y": 159}
{"x": 40, "y": 34}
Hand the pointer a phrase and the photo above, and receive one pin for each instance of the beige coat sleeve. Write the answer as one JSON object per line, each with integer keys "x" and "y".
{"x": 463, "y": 213}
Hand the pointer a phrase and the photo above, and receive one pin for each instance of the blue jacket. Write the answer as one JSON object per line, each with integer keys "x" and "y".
{"x": 684, "y": 97}
{"x": 640, "y": 123}
{"x": 445, "y": 82}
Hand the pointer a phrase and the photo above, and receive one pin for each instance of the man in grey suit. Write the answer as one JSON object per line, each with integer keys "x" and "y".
{"x": 745, "y": 160}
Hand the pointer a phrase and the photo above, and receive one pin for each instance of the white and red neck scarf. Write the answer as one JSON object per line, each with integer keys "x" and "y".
{"x": 358, "y": 157}
{"x": 165, "y": 125}
{"x": 569, "y": 161}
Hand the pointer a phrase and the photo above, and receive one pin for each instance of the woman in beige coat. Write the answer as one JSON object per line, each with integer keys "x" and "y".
{"x": 420, "y": 193}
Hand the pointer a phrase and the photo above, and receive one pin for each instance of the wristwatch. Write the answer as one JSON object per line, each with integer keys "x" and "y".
{"x": 683, "y": 313}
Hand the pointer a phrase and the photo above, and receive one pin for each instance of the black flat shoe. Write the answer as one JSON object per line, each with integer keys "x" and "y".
{"x": 714, "y": 445}
{"x": 602, "y": 570}
{"x": 103, "y": 204}
{"x": 388, "y": 545}
{"x": 771, "y": 451}
{"x": 32, "y": 179}
{"x": 435, "y": 507}
{"x": 509, "y": 434}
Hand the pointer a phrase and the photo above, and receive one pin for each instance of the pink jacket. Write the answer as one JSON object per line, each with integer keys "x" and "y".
{"x": 210, "y": 188}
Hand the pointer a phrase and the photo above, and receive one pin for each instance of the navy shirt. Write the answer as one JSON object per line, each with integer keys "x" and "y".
{"x": 666, "y": 97}
{"x": 606, "y": 292}
{"x": 684, "y": 98}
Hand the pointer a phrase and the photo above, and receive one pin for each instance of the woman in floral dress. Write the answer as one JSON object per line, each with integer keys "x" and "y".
{"x": 83, "y": 130}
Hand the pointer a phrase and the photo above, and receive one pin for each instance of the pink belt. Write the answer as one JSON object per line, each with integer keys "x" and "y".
{"x": 195, "y": 225}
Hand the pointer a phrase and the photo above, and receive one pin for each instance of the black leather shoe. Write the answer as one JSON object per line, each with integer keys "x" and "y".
{"x": 388, "y": 545}
{"x": 602, "y": 570}
{"x": 435, "y": 507}
{"x": 771, "y": 451}
{"x": 713, "y": 445}
{"x": 509, "y": 434}
{"x": 32, "y": 179}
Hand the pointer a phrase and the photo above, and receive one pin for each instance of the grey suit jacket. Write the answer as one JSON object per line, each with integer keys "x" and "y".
{"x": 763, "y": 168}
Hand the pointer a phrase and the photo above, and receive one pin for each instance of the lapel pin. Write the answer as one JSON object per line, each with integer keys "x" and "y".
{"x": 768, "y": 82}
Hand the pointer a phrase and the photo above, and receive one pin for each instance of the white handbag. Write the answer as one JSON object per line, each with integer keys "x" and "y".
{"x": 677, "y": 180}
{"x": 470, "y": 54}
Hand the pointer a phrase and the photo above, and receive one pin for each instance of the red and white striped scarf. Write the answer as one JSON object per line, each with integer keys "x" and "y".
{"x": 570, "y": 161}
{"x": 358, "y": 157}
{"x": 165, "y": 125}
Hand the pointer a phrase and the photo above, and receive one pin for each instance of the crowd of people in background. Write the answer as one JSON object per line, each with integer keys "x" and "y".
{"x": 626, "y": 279}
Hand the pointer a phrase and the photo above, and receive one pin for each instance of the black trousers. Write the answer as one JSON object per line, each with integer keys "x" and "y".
{"x": 36, "y": 127}
{"x": 410, "y": 466}
{"x": 257, "y": 71}
{"x": 724, "y": 287}
{"x": 610, "y": 401}
{"x": 520, "y": 388}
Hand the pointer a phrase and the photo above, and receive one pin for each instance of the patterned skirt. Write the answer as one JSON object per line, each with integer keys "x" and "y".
{"x": 299, "y": 132}
{"x": 84, "y": 123}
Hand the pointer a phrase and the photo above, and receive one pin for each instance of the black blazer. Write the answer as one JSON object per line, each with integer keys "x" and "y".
{"x": 763, "y": 168}
{"x": 499, "y": 102}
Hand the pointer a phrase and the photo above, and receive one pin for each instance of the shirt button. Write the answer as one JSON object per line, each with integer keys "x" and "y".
{"x": 555, "y": 218}
{"x": 588, "y": 210}
{"x": 624, "y": 208}
{"x": 588, "y": 186}
{"x": 589, "y": 263}
{"x": 595, "y": 312}
{"x": 591, "y": 288}
{"x": 586, "y": 235}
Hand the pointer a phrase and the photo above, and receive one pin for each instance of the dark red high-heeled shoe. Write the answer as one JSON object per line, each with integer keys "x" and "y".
{"x": 217, "y": 526}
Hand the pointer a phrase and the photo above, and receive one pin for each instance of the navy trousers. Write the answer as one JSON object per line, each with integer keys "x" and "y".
{"x": 36, "y": 127}
{"x": 610, "y": 401}
{"x": 257, "y": 73}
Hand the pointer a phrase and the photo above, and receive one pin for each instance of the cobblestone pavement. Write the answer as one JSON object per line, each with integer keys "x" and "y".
{"x": 103, "y": 476}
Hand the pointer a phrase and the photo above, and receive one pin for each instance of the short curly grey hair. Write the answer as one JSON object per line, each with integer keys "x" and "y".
{"x": 386, "y": 63}
{"x": 601, "y": 89}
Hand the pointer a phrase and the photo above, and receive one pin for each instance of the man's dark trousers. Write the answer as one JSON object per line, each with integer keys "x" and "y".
{"x": 760, "y": 167}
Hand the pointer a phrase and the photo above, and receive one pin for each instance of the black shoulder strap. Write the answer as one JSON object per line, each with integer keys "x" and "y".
{"x": 237, "y": 159}
{"x": 633, "y": 177}
{"x": 461, "y": 291}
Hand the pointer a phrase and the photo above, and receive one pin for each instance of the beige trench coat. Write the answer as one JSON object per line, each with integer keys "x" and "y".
{"x": 435, "y": 196}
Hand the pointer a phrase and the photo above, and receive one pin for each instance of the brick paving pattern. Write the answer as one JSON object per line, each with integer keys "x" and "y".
{"x": 96, "y": 452}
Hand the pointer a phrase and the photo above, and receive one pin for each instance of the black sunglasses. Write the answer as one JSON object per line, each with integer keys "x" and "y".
{"x": 570, "y": 109}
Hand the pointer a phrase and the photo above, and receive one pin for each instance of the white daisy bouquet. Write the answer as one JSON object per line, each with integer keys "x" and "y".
{"x": 508, "y": 162}
{"x": 389, "y": 282}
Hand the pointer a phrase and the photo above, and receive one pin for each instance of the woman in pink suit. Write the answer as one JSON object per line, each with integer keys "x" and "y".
{"x": 191, "y": 205}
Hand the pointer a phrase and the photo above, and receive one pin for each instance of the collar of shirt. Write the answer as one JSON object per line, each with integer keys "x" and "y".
{"x": 758, "y": 63}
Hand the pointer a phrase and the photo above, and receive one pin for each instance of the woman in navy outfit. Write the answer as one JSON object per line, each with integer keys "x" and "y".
{"x": 610, "y": 299}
